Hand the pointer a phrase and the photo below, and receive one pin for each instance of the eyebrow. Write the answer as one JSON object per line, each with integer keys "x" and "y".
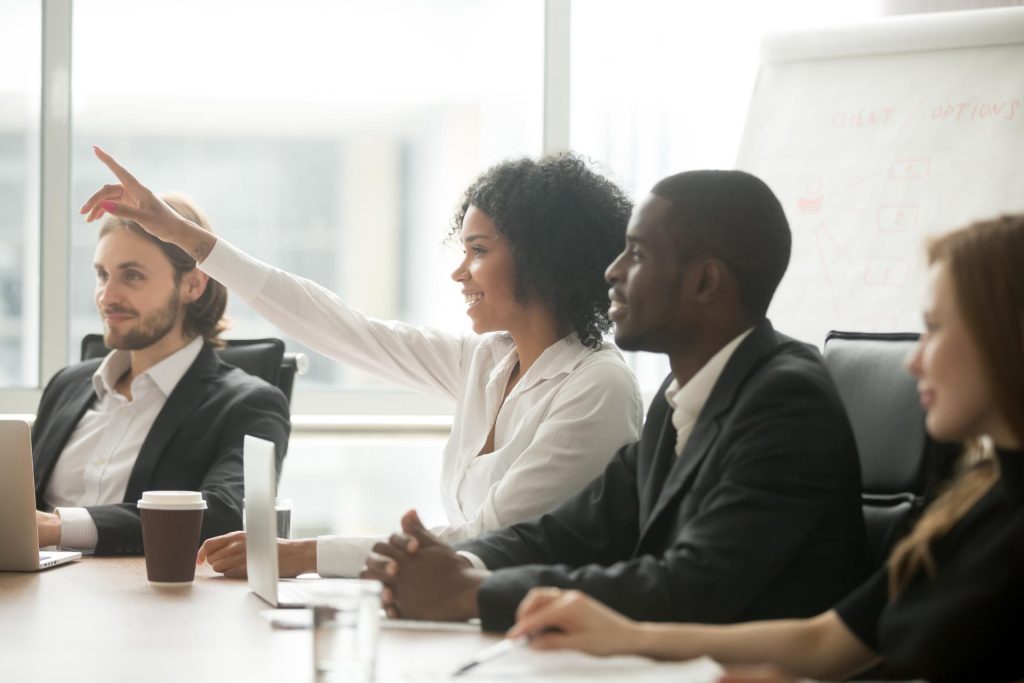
{"x": 124, "y": 265}
{"x": 474, "y": 238}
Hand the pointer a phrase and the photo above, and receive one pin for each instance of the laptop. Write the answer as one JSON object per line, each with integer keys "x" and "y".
{"x": 19, "y": 537}
{"x": 261, "y": 545}
{"x": 261, "y": 528}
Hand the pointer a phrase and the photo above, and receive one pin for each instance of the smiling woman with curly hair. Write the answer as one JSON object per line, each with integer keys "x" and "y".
{"x": 541, "y": 404}
{"x": 564, "y": 224}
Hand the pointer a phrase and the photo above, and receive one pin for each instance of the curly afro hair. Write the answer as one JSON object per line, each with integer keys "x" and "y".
{"x": 565, "y": 224}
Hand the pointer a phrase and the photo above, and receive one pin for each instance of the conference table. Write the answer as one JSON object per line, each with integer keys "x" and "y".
{"x": 99, "y": 619}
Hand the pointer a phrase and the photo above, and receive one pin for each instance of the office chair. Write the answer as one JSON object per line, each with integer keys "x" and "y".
{"x": 263, "y": 358}
{"x": 888, "y": 425}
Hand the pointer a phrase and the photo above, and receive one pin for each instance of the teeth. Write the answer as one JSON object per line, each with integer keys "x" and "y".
{"x": 473, "y": 298}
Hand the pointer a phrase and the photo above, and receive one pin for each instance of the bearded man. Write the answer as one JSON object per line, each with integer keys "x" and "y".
{"x": 160, "y": 412}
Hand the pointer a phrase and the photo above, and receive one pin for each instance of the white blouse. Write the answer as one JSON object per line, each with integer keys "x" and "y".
{"x": 558, "y": 427}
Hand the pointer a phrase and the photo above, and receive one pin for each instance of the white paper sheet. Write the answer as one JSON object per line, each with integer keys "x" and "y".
{"x": 575, "y": 667}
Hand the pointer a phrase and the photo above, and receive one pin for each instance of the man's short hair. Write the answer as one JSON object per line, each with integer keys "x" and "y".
{"x": 735, "y": 217}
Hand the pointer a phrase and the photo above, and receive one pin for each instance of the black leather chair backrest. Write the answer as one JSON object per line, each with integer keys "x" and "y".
{"x": 888, "y": 424}
{"x": 263, "y": 358}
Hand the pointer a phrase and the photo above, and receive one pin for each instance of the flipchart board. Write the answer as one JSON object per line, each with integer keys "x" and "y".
{"x": 875, "y": 137}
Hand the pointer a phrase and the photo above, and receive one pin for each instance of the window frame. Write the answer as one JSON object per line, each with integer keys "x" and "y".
{"x": 354, "y": 408}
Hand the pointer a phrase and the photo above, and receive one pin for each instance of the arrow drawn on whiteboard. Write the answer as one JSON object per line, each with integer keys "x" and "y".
{"x": 824, "y": 270}
{"x": 911, "y": 117}
{"x": 835, "y": 245}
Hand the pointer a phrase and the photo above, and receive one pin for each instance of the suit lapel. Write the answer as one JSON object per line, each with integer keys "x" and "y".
{"x": 744, "y": 360}
{"x": 188, "y": 395}
{"x": 663, "y": 459}
{"x": 63, "y": 423}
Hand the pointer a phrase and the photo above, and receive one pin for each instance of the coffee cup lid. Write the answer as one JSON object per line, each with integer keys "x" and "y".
{"x": 172, "y": 500}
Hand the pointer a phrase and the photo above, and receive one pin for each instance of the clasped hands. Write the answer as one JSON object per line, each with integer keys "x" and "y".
{"x": 423, "y": 578}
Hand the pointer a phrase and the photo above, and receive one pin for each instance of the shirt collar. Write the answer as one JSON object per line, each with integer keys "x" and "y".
{"x": 558, "y": 359}
{"x": 165, "y": 375}
{"x": 690, "y": 398}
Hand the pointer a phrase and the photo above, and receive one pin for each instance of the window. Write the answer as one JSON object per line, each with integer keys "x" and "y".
{"x": 331, "y": 139}
{"x": 19, "y": 192}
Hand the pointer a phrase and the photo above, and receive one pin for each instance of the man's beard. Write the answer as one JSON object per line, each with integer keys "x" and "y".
{"x": 150, "y": 329}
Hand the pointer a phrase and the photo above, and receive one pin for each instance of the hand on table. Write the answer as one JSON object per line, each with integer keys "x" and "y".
{"x": 423, "y": 578}
{"x": 48, "y": 524}
{"x": 226, "y": 554}
{"x": 556, "y": 619}
{"x": 133, "y": 201}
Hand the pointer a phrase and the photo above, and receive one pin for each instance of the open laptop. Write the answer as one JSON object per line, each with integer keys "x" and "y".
{"x": 19, "y": 537}
{"x": 261, "y": 528}
{"x": 261, "y": 545}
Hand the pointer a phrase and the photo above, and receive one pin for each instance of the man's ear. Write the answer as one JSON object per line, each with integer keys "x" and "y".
{"x": 711, "y": 279}
{"x": 193, "y": 284}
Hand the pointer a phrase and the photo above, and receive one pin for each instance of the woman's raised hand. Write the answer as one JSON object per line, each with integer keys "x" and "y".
{"x": 133, "y": 201}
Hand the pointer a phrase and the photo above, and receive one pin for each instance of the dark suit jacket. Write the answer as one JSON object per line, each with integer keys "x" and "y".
{"x": 759, "y": 518}
{"x": 195, "y": 443}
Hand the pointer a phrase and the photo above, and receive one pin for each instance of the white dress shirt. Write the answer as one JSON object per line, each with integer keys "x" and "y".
{"x": 688, "y": 400}
{"x": 686, "y": 403}
{"x": 557, "y": 429}
{"x": 94, "y": 467}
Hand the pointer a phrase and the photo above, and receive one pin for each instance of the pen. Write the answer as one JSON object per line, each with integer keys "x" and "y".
{"x": 489, "y": 653}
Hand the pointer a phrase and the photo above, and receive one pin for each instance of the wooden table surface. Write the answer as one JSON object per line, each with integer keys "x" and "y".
{"x": 99, "y": 619}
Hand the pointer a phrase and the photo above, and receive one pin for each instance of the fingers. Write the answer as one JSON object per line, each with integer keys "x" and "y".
{"x": 387, "y": 601}
{"x": 124, "y": 176}
{"x": 386, "y": 558}
{"x": 555, "y": 612}
{"x": 406, "y": 544}
{"x": 553, "y": 640}
{"x": 536, "y": 599}
{"x": 387, "y": 593}
{"x": 228, "y": 556}
{"x": 92, "y": 205}
{"x": 216, "y": 544}
{"x": 412, "y": 526}
{"x": 121, "y": 211}
{"x": 380, "y": 567}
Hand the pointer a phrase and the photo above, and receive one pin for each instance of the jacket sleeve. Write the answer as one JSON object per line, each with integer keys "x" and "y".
{"x": 261, "y": 411}
{"x": 772, "y": 492}
{"x": 594, "y": 527}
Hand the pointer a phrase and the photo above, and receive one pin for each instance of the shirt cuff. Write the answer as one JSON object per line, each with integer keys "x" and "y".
{"x": 343, "y": 556}
{"x": 473, "y": 559}
{"x": 77, "y": 530}
{"x": 236, "y": 270}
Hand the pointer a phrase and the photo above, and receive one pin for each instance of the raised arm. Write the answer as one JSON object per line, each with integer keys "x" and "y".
{"x": 128, "y": 198}
{"x": 419, "y": 358}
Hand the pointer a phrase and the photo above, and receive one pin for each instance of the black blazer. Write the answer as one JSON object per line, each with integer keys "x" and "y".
{"x": 195, "y": 443}
{"x": 759, "y": 518}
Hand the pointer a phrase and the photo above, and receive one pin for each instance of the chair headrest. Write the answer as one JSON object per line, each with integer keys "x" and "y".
{"x": 881, "y": 399}
{"x": 259, "y": 357}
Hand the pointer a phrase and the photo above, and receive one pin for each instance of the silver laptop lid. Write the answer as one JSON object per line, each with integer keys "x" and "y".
{"x": 19, "y": 539}
{"x": 260, "y": 522}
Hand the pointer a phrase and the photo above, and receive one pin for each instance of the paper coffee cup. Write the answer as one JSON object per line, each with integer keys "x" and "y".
{"x": 171, "y": 524}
